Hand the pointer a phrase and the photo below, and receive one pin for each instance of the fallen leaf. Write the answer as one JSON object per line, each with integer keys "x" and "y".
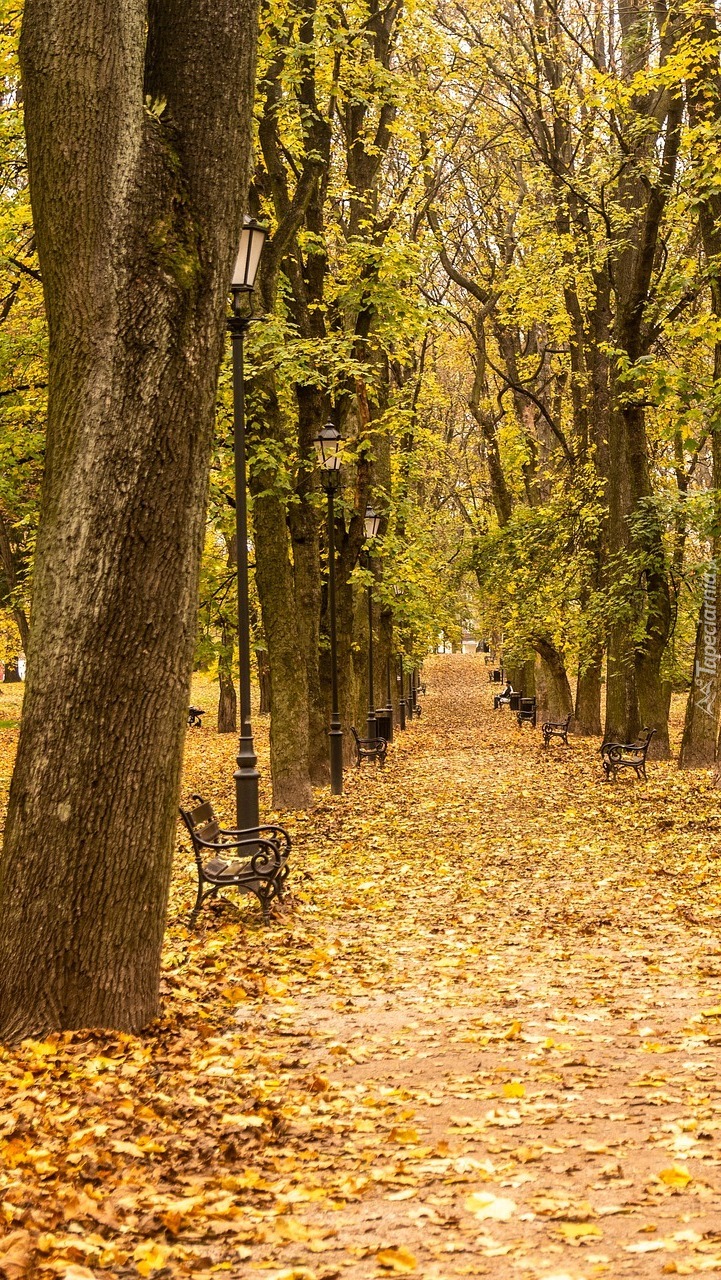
{"x": 676, "y": 1177}
{"x": 484, "y": 1205}
{"x": 577, "y": 1231}
{"x": 398, "y": 1259}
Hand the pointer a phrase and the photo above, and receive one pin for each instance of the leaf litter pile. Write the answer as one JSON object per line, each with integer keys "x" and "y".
{"x": 485, "y": 1041}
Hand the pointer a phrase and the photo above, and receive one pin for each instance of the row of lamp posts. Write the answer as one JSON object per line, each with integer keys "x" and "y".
{"x": 328, "y": 446}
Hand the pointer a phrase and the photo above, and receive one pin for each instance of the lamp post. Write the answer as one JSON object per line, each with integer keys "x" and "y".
{"x": 411, "y": 694}
{"x": 328, "y": 445}
{"x": 372, "y": 523}
{"x": 252, "y": 239}
{"x": 389, "y": 700}
{"x": 402, "y": 698}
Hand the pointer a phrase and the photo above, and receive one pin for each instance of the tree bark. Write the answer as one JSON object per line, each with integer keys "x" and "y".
{"x": 289, "y": 682}
{"x": 228, "y": 699}
{"x": 7, "y": 560}
{"x": 553, "y": 691}
{"x": 588, "y": 699}
{"x": 261, "y": 656}
{"x": 138, "y": 131}
{"x": 698, "y": 745}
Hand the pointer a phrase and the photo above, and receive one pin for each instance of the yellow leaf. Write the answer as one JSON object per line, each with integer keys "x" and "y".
{"x": 573, "y": 1231}
{"x": 293, "y": 1273}
{"x": 399, "y": 1260}
{"x": 150, "y": 1257}
{"x": 403, "y": 1134}
{"x": 676, "y": 1177}
{"x": 514, "y": 1089}
{"x": 128, "y": 1149}
{"x": 712, "y": 1013}
{"x": 484, "y": 1205}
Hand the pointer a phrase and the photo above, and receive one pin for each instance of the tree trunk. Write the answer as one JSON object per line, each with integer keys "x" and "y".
{"x": 588, "y": 699}
{"x": 7, "y": 560}
{"x": 227, "y": 701}
{"x": 289, "y": 682}
{"x": 303, "y": 522}
{"x": 261, "y": 657}
{"x": 698, "y": 745}
{"x": 553, "y": 691}
{"x": 522, "y": 677}
{"x": 138, "y": 130}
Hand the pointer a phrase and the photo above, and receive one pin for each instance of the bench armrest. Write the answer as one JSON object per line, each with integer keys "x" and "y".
{"x": 278, "y": 834}
{"x": 267, "y": 847}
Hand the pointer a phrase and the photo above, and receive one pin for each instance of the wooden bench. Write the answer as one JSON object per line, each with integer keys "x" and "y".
{"x": 263, "y": 871}
{"x": 369, "y": 748}
{"x": 556, "y": 729}
{"x": 194, "y": 717}
{"x": 627, "y": 755}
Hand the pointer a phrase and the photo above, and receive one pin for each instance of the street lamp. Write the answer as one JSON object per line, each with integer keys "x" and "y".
{"x": 252, "y": 239}
{"x": 328, "y": 444}
{"x": 372, "y": 524}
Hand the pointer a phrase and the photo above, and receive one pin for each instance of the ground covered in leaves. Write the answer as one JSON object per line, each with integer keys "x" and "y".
{"x": 485, "y": 1043}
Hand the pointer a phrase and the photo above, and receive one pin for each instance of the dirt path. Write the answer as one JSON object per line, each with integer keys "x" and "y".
{"x": 486, "y": 1044}
{"x": 507, "y": 1045}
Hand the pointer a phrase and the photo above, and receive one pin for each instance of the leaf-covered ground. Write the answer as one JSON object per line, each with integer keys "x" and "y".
{"x": 486, "y": 1043}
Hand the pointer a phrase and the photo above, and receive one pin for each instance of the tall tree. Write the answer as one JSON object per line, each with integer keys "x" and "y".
{"x": 138, "y": 131}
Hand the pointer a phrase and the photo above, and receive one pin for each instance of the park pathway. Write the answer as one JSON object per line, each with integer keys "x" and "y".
{"x": 493, "y": 1038}
{"x": 485, "y": 1043}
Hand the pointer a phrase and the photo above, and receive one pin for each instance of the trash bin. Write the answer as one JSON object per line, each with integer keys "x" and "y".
{"x": 384, "y": 723}
{"x": 516, "y": 701}
{"x": 527, "y": 712}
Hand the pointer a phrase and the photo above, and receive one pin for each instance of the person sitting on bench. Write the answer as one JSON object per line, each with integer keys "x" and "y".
{"x": 504, "y": 697}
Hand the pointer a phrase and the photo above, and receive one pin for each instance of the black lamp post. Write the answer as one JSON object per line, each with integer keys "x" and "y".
{"x": 252, "y": 239}
{"x": 402, "y": 699}
{"x": 372, "y": 524}
{"x": 389, "y": 700}
{"x": 328, "y": 446}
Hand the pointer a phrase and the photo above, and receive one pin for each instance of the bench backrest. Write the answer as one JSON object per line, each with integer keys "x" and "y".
{"x": 354, "y": 731}
{"x": 202, "y": 824}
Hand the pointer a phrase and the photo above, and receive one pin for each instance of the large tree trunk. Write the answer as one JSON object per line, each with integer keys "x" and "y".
{"x": 553, "y": 691}
{"x": 588, "y": 698}
{"x": 698, "y": 745}
{"x": 303, "y": 522}
{"x": 288, "y": 677}
{"x": 138, "y": 129}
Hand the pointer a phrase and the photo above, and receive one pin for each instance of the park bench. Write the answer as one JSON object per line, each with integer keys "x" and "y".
{"x": 263, "y": 871}
{"x": 626, "y": 755}
{"x": 369, "y": 748}
{"x": 495, "y": 676}
{"x": 527, "y": 712}
{"x": 194, "y": 717}
{"x": 500, "y": 700}
{"x": 556, "y": 729}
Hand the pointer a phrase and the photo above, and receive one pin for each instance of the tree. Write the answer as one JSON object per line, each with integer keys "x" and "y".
{"x": 138, "y": 134}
